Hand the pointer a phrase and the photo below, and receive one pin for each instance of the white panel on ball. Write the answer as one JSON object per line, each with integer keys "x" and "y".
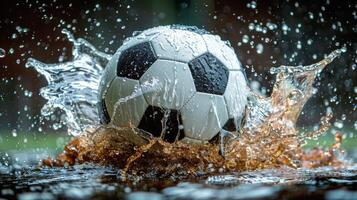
{"x": 175, "y": 84}
{"x": 108, "y": 75}
{"x": 204, "y": 115}
{"x": 152, "y": 32}
{"x": 222, "y": 51}
{"x": 125, "y": 102}
{"x": 178, "y": 45}
{"x": 236, "y": 94}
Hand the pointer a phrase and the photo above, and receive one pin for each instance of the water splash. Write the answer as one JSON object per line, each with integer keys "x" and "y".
{"x": 73, "y": 86}
{"x": 268, "y": 138}
{"x": 292, "y": 90}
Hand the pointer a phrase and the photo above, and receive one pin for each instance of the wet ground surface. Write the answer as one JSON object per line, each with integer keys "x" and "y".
{"x": 24, "y": 180}
{"x": 90, "y": 182}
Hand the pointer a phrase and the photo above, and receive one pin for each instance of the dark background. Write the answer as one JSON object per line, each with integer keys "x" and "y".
{"x": 315, "y": 28}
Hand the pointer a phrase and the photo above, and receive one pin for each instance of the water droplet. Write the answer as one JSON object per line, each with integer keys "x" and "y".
{"x": 2, "y": 53}
{"x": 271, "y": 25}
{"x": 28, "y": 93}
{"x": 299, "y": 45}
{"x": 252, "y": 5}
{"x": 285, "y": 27}
{"x": 338, "y": 124}
{"x": 259, "y": 48}
{"x": 245, "y": 39}
{"x": 14, "y": 133}
{"x": 136, "y": 33}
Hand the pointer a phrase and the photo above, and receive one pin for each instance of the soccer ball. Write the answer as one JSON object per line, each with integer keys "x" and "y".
{"x": 174, "y": 82}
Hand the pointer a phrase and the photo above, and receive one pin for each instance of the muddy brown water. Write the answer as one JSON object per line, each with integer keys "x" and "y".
{"x": 25, "y": 180}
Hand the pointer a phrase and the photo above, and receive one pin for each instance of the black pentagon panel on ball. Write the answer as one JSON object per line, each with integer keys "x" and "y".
{"x": 189, "y": 28}
{"x": 209, "y": 74}
{"x": 155, "y": 119}
{"x": 134, "y": 62}
{"x": 103, "y": 112}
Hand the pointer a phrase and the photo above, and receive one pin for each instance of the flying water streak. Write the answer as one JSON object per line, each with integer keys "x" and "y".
{"x": 292, "y": 90}
{"x": 73, "y": 85}
{"x": 139, "y": 90}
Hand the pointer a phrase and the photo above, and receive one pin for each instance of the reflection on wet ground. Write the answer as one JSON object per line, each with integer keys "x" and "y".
{"x": 26, "y": 181}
